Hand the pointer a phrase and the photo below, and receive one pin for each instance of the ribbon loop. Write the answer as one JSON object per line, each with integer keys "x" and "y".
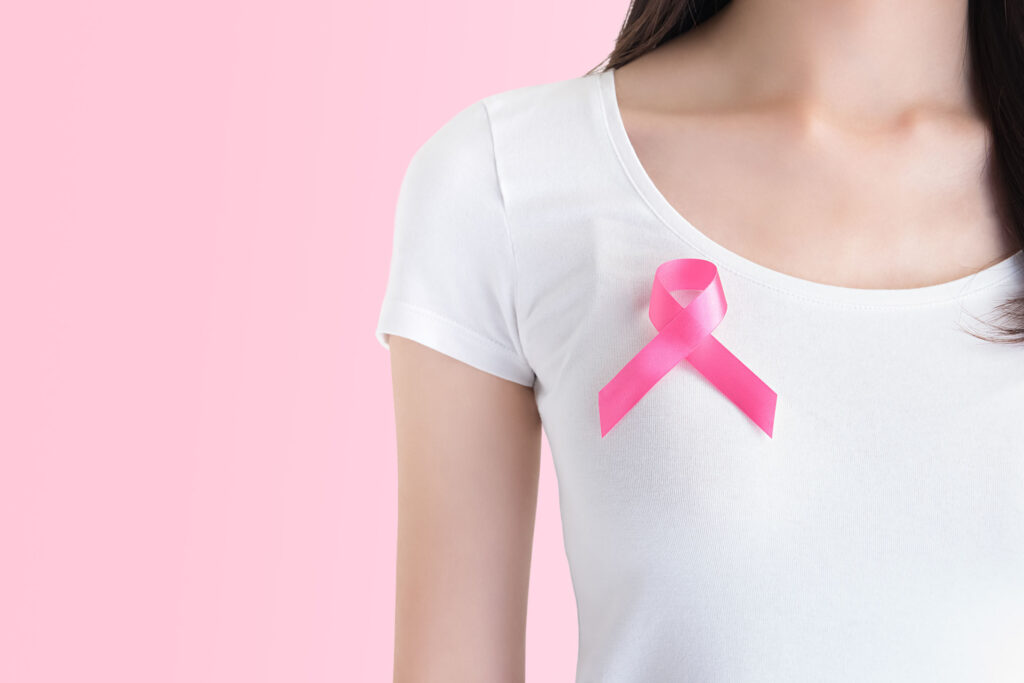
{"x": 684, "y": 332}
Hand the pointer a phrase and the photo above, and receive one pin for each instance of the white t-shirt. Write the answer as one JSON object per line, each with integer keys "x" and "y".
{"x": 876, "y": 535}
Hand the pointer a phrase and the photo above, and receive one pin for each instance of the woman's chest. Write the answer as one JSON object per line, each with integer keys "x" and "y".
{"x": 861, "y": 393}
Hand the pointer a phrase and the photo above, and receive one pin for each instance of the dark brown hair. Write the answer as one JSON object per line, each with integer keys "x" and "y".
{"x": 996, "y": 45}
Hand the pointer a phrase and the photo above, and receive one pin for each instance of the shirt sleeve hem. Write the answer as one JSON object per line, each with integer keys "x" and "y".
{"x": 452, "y": 339}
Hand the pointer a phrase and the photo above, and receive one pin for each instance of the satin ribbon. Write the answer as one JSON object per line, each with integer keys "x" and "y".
{"x": 685, "y": 333}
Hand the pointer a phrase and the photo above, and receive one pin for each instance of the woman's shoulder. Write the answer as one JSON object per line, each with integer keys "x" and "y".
{"x": 525, "y": 123}
{"x": 562, "y": 96}
{"x": 545, "y": 112}
{"x": 544, "y": 130}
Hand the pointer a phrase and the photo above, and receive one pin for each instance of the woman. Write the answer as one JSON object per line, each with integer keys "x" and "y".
{"x": 825, "y": 482}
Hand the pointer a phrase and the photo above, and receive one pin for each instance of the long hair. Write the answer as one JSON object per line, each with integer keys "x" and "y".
{"x": 996, "y": 47}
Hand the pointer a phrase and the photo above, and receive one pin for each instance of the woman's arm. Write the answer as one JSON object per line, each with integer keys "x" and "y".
{"x": 468, "y": 463}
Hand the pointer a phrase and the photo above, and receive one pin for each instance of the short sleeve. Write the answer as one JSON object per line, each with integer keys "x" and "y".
{"x": 452, "y": 276}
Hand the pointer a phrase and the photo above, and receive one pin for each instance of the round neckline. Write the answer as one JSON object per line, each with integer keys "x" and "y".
{"x": 726, "y": 259}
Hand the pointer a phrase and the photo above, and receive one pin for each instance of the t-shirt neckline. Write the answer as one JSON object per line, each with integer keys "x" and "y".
{"x": 726, "y": 259}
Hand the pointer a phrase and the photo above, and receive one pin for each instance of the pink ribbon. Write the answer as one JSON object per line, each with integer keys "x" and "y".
{"x": 685, "y": 333}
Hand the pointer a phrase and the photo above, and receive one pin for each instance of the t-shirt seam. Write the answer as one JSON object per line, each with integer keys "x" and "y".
{"x": 473, "y": 333}
{"x": 505, "y": 222}
{"x": 961, "y": 298}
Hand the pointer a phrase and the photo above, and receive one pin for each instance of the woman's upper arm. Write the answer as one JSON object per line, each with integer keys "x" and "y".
{"x": 468, "y": 430}
{"x": 468, "y": 462}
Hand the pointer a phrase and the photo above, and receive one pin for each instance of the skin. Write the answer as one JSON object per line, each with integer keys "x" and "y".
{"x": 823, "y": 139}
{"x": 468, "y": 463}
{"x": 861, "y": 163}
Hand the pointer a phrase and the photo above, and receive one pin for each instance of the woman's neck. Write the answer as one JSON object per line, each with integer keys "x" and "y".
{"x": 865, "y": 58}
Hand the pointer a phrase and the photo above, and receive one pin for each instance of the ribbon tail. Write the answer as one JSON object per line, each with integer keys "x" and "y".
{"x": 671, "y": 345}
{"x": 734, "y": 379}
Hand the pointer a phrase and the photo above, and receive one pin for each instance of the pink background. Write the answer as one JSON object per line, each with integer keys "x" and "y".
{"x": 197, "y": 456}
